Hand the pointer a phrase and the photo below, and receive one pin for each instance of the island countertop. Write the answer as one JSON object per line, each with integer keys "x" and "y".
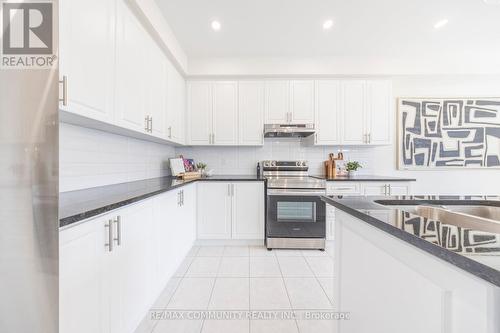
{"x": 475, "y": 251}
{"x": 366, "y": 178}
{"x": 75, "y": 206}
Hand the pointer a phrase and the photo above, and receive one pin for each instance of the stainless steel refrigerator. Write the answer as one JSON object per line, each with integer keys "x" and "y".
{"x": 28, "y": 201}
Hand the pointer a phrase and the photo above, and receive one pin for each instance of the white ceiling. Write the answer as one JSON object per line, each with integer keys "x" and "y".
{"x": 293, "y": 28}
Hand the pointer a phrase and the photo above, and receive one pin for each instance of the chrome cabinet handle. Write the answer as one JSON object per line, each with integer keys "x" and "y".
{"x": 213, "y": 138}
{"x": 385, "y": 189}
{"x": 118, "y": 238}
{"x": 64, "y": 83}
{"x": 170, "y": 132}
{"x": 146, "y": 121}
{"x": 109, "y": 226}
{"x": 390, "y": 189}
{"x": 182, "y": 197}
{"x": 369, "y": 138}
{"x": 179, "y": 198}
{"x": 150, "y": 124}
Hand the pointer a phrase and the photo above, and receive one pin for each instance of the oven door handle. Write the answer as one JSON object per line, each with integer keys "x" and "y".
{"x": 295, "y": 192}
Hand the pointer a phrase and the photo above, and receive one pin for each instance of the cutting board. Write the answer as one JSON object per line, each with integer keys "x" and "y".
{"x": 177, "y": 166}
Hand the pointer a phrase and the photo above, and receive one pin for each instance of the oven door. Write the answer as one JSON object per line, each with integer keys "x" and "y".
{"x": 295, "y": 214}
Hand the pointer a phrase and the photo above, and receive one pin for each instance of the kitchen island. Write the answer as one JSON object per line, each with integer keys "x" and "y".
{"x": 399, "y": 269}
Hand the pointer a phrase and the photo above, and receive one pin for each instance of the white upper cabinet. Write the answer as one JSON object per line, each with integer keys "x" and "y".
{"x": 353, "y": 112}
{"x": 327, "y": 112}
{"x": 277, "y": 102}
{"x": 157, "y": 90}
{"x": 131, "y": 83}
{"x": 199, "y": 99}
{"x": 379, "y": 112}
{"x": 225, "y": 113}
{"x": 176, "y": 105}
{"x": 251, "y": 113}
{"x": 302, "y": 101}
{"x": 87, "y": 57}
{"x": 213, "y": 113}
{"x": 366, "y": 112}
{"x": 289, "y": 102}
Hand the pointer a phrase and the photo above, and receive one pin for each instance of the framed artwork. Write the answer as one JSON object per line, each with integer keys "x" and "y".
{"x": 441, "y": 133}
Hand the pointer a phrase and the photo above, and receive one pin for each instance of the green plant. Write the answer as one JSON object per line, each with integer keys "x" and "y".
{"x": 353, "y": 166}
{"x": 201, "y": 166}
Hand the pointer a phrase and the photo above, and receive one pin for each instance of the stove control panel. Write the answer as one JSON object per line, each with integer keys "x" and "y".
{"x": 285, "y": 165}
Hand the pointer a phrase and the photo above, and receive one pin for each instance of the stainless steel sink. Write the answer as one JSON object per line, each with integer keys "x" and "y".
{"x": 481, "y": 218}
{"x": 487, "y": 212}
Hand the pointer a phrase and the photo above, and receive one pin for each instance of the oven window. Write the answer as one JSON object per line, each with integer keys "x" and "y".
{"x": 296, "y": 211}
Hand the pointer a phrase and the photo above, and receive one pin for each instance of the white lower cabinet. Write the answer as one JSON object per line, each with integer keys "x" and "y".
{"x": 107, "y": 289}
{"x": 83, "y": 282}
{"x": 132, "y": 268}
{"x": 383, "y": 188}
{"x": 230, "y": 210}
{"x": 353, "y": 188}
{"x": 248, "y": 211}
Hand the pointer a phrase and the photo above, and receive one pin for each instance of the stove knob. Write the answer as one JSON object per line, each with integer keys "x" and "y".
{"x": 273, "y": 163}
{"x": 297, "y": 163}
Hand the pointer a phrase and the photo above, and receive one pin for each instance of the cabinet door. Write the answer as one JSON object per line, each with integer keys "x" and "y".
{"x": 302, "y": 101}
{"x": 157, "y": 89}
{"x": 90, "y": 82}
{"x": 165, "y": 220}
{"x": 131, "y": 82}
{"x": 133, "y": 268}
{"x": 199, "y": 112}
{"x": 277, "y": 102}
{"x": 214, "y": 210}
{"x": 225, "y": 113}
{"x": 327, "y": 112}
{"x": 248, "y": 210}
{"x": 83, "y": 286}
{"x": 176, "y": 105}
{"x": 186, "y": 222}
{"x": 251, "y": 112}
{"x": 399, "y": 188}
{"x": 353, "y": 112}
{"x": 379, "y": 112}
{"x": 378, "y": 188}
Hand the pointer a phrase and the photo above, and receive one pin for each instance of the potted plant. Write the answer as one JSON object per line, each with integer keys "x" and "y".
{"x": 352, "y": 168}
{"x": 201, "y": 167}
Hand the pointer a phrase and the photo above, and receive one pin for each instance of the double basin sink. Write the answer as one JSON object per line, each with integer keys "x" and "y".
{"x": 481, "y": 218}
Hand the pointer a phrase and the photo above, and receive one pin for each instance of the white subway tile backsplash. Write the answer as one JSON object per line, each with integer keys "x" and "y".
{"x": 90, "y": 158}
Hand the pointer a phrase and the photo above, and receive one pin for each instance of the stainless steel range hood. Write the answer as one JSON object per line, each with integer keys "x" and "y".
{"x": 288, "y": 130}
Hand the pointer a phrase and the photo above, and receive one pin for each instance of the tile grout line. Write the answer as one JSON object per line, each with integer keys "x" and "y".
{"x": 317, "y": 280}
{"x": 286, "y": 290}
{"x": 212, "y": 291}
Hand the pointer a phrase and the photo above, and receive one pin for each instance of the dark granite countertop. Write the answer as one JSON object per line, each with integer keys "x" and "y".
{"x": 367, "y": 178}
{"x": 79, "y": 205}
{"x": 473, "y": 250}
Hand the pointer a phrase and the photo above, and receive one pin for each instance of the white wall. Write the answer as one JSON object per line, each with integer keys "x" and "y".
{"x": 467, "y": 62}
{"x": 376, "y": 160}
{"x": 90, "y": 158}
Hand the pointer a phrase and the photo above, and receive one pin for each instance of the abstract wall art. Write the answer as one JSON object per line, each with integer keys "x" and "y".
{"x": 449, "y": 133}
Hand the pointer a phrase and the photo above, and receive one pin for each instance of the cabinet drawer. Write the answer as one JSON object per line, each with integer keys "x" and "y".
{"x": 343, "y": 188}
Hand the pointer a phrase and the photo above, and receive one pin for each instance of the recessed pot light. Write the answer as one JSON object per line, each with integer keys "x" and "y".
{"x": 215, "y": 25}
{"x": 441, "y": 23}
{"x": 328, "y": 24}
